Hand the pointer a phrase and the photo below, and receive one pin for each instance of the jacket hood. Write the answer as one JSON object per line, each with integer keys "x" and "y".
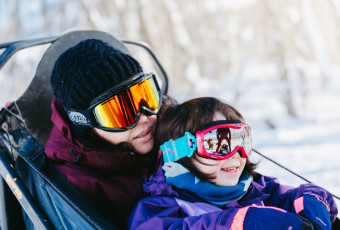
{"x": 62, "y": 146}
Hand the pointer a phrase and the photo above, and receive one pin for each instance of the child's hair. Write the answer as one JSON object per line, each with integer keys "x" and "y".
{"x": 189, "y": 116}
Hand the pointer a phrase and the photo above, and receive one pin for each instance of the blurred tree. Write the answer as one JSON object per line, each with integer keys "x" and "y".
{"x": 220, "y": 43}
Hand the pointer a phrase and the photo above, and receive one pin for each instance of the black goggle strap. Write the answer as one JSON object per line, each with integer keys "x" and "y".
{"x": 174, "y": 150}
{"x": 81, "y": 117}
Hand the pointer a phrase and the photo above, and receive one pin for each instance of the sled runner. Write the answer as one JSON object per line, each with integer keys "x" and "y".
{"x": 33, "y": 194}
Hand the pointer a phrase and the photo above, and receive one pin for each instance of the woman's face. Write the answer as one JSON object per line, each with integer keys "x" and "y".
{"x": 223, "y": 172}
{"x": 140, "y": 138}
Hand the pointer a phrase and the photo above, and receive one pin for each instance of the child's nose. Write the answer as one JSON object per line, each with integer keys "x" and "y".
{"x": 236, "y": 155}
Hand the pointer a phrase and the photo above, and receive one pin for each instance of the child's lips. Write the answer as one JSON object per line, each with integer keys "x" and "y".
{"x": 233, "y": 169}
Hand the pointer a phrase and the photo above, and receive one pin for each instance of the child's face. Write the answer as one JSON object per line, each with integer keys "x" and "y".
{"x": 140, "y": 138}
{"x": 223, "y": 172}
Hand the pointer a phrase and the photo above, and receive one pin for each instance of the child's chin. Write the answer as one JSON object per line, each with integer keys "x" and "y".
{"x": 228, "y": 182}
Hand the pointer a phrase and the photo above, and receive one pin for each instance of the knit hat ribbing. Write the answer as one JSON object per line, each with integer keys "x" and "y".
{"x": 87, "y": 70}
{"x": 84, "y": 72}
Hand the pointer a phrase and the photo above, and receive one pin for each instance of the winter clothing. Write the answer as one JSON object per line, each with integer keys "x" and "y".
{"x": 84, "y": 72}
{"x": 269, "y": 218}
{"x": 112, "y": 181}
{"x": 314, "y": 209}
{"x": 218, "y": 195}
{"x": 89, "y": 69}
{"x": 172, "y": 208}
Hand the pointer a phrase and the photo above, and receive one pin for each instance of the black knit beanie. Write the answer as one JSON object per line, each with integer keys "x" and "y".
{"x": 85, "y": 71}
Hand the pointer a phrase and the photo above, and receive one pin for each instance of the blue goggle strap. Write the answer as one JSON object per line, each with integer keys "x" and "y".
{"x": 174, "y": 150}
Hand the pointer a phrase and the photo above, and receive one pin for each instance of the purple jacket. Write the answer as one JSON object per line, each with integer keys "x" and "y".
{"x": 170, "y": 208}
{"x": 111, "y": 181}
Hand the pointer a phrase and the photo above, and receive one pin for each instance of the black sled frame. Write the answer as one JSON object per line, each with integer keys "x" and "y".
{"x": 24, "y": 129}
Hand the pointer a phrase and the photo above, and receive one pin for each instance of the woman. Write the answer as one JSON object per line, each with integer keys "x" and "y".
{"x": 104, "y": 116}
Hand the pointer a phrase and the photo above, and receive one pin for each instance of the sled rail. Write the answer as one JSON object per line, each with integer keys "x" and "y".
{"x": 12, "y": 47}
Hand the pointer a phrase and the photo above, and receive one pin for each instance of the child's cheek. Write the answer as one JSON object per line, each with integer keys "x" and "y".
{"x": 209, "y": 171}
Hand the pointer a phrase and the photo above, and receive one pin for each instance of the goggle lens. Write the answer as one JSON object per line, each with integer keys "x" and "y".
{"x": 223, "y": 141}
{"x": 145, "y": 94}
{"x": 121, "y": 110}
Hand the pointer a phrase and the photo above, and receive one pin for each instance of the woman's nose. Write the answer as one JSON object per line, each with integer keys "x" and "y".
{"x": 143, "y": 118}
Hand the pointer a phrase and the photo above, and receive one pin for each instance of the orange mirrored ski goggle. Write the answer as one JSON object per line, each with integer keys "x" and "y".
{"x": 119, "y": 108}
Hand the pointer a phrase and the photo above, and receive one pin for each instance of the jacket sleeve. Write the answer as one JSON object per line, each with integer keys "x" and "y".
{"x": 164, "y": 213}
{"x": 287, "y": 198}
{"x": 157, "y": 212}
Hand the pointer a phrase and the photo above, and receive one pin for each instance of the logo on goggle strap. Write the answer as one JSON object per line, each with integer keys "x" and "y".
{"x": 77, "y": 118}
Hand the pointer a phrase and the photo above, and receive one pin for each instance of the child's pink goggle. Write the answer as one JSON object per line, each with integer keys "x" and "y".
{"x": 217, "y": 140}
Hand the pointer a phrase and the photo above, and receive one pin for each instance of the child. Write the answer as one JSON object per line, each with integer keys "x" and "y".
{"x": 104, "y": 116}
{"x": 198, "y": 188}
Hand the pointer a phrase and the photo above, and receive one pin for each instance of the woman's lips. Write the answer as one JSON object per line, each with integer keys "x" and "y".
{"x": 144, "y": 135}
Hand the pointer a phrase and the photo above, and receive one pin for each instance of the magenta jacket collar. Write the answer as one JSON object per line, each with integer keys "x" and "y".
{"x": 63, "y": 146}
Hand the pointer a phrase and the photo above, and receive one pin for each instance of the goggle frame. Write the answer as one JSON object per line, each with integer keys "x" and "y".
{"x": 88, "y": 117}
{"x": 188, "y": 144}
{"x": 201, "y": 151}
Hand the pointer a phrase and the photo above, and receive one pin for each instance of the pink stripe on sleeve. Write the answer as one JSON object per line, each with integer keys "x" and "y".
{"x": 298, "y": 204}
{"x": 238, "y": 220}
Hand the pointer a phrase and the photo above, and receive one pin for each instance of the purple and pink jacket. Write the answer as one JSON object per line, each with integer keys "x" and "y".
{"x": 168, "y": 207}
{"x": 110, "y": 181}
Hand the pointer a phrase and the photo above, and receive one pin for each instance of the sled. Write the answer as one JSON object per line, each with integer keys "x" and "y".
{"x": 33, "y": 194}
